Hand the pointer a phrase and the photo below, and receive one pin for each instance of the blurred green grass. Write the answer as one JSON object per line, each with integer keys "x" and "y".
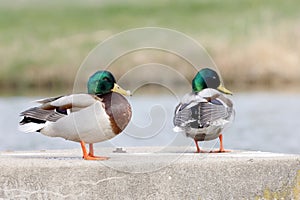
{"x": 44, "y": 42}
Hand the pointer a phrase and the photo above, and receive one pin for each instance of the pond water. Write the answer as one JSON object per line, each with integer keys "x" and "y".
{"x": 264, "y": 121}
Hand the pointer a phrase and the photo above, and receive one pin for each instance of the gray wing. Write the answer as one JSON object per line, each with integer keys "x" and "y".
{"x": 55, "y": 108}
{"x": 209, "y": 112}
{"x": 182, "y": 115}
{"x": 47, "y": 100}
{"x": 74, "y": 101}
{"x": 183, "y": 111}
{"x": 39, "y": 115}
{"x": 200, "y": 114}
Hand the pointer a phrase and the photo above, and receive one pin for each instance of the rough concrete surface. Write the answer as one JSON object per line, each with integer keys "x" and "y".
{"x": 149, "y": 173}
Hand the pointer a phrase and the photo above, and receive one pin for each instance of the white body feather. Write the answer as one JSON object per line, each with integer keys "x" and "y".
{"x": 90, "y": 125}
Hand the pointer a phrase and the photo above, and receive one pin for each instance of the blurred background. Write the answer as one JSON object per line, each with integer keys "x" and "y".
{"x": 255, "y": 44}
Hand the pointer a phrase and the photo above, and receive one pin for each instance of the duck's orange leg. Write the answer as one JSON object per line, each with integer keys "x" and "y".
{"x": 197, "y": 146}
{"x": 221, "y": 143}
{"x": 221, "y": 150}
{"x": 90, "y": 155}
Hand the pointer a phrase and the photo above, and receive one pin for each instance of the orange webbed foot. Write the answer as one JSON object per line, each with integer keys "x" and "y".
{"x": 220, "y": 151}
{"x": 202, "y": 151}
{"x": 92, "y": 157}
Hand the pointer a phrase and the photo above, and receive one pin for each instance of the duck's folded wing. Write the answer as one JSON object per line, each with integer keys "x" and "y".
{"x": 47, "y": 100}
{"x": 183, "y": 112}
{"x": 55, "y": 108}
{"x": 217, "y": 109}
{"x": 39, "y": 115}
{"x": 182, "y": 116}
{"x": 201, "y": 113}
{"x": 210, "y": 112}
{"x": 74, "y": 101}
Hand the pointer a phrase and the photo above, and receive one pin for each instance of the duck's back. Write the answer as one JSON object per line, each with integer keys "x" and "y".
{"x": 203, "y": 115}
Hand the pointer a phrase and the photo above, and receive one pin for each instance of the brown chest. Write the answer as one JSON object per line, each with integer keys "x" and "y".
{"x": 118, "y": 110}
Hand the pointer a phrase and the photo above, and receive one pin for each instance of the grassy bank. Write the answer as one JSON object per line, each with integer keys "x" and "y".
{"x": 254, "y": 43}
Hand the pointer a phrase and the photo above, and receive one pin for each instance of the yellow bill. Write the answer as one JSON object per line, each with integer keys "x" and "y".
{"x": 221, "y": 88}
{"x": 120, "y": 90}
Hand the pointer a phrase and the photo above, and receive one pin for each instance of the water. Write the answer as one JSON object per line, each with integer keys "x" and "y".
{"x": 264, "y": 122}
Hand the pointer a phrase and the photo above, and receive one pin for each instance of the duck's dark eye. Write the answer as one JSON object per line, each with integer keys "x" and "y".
{"x": 105, "y": 79}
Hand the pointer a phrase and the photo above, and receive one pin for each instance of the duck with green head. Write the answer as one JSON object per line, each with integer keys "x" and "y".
{"x": 89, "y": 118}
{"x": 205, "y": 112}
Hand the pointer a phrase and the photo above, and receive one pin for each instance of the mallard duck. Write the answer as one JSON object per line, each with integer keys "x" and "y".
{"x": 99, "y": 115}
{"x": 203, "y": 113}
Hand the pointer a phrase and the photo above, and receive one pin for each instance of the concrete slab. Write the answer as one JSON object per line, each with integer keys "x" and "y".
{"x": 149, "y": 173}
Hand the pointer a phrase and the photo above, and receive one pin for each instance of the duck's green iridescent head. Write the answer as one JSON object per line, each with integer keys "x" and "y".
{"x": 103, "y": 82}
{"x": 208, "y": 78}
